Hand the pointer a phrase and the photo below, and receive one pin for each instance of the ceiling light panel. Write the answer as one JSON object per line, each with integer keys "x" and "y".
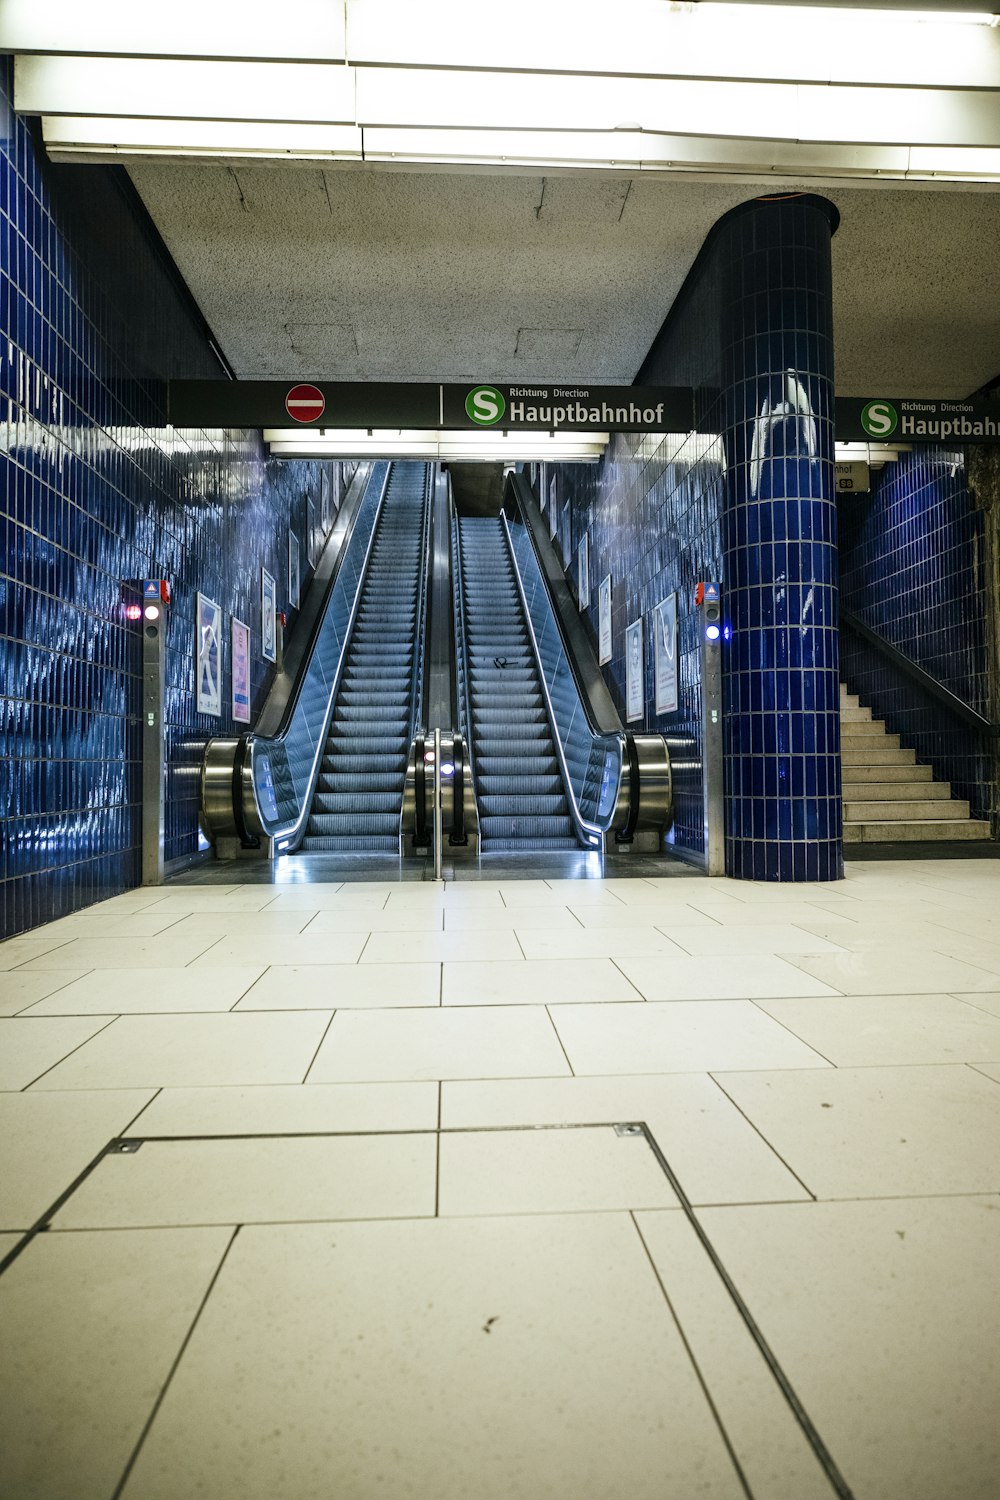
{"x": 136, "y": 87}
{"x": 651, "y": 38}
{"x": 185, "y": 28}
{"x": 80, "y": 137}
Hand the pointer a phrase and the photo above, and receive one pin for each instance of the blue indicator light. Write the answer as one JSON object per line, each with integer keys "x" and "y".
{"x": 712, "y": 632}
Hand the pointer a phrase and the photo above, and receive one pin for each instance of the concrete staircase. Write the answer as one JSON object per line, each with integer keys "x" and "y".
{"x": 888, "y": 798}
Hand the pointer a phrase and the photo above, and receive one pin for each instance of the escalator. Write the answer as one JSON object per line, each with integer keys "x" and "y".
{"x": 359, "y": 790}
{"x": 521, "y": 795}
{"x": 324, "y": 768}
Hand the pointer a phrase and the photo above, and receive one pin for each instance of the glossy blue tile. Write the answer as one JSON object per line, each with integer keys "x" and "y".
{"x": 99, "y": 490}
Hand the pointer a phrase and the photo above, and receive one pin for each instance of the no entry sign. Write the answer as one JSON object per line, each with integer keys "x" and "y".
{"x": 305, "y": 403}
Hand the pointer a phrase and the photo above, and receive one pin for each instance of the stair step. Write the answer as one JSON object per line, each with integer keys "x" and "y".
{"x": 883, "y": 775}
{"x": 878, "y": 755}
{"x": 922, "y": 811}
{"x": 864, "y": 730}
{"x": 918, "y": 830}
{"x": 910, "y": 790}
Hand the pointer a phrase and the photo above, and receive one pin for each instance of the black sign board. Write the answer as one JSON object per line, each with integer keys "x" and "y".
{"x": 907, "y": 419}
{"x": 538, "y": 406}
{"x": 336, "y": 404}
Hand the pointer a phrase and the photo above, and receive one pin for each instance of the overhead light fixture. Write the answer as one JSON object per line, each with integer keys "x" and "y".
{"x": 469, "y": 447}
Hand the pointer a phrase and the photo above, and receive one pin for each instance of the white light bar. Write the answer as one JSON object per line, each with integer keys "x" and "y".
{"x": 467, "y": 447}
{"x": 135, "y": 87}
{"x": 650, "y": 37}
{"x": 874, "y": 454}
{"x": 85, "y": 137}
{"x": 420, "y": 435}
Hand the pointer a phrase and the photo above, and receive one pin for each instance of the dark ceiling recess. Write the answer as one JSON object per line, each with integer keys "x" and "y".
{"x": 478, "y": 488}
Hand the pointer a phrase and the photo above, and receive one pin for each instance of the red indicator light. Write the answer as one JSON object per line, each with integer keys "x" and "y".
{"x": 133, "y": 611}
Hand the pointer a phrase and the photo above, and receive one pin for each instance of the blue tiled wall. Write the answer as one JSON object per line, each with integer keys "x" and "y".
{"x": 912, "y": 569}
{"x": 753, "y": 322}
{"x": 98, "y": 490}
{"x": 782, "y": 695}
{"x": 651, "y": 512}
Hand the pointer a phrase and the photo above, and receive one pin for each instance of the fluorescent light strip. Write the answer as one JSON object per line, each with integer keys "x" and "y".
{"x": 650, "y": 37}
{"x": 70, "y": 138}
{"x": 484, "y": 437}
{"x": 635, "y": 112}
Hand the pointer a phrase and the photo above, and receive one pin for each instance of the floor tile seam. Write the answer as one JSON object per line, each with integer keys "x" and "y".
{"x": 66, "y": 1055}
{"x": 977, "y": 1068}
{"x": 22, "y": 937}
{"x": 699, "y": 1375}
{"x": 319, "y": 1046}
{"x": 631, "y": 982}
{"x": 562, "y": 1045}
{"x": 759, "y": 1132}
{"x": 52, "y": 993}
{"x": 807, "y": 1426}
{"x": 159, "y": 1399}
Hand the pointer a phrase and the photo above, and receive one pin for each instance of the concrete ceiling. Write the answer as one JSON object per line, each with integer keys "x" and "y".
{"x": 425, "y": 275}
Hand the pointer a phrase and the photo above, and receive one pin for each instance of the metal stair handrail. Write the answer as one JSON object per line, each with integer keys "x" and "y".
{"x": 924, "y": 679}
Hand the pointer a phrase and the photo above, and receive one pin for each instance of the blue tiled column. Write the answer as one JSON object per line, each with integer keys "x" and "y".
{"x": 782, "y": 721}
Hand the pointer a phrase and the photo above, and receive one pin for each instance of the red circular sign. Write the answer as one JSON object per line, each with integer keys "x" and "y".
{"x": 304, "y": 403}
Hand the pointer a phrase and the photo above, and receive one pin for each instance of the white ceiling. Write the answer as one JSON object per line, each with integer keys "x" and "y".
{"x": 380, "y": 274}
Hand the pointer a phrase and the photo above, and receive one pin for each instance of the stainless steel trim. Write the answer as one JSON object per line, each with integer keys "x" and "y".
{"x": 217, "y": 767}
{"x": 438, "y": 834}
{"x": 656, "y": 785}
{"x": 713, "y": 804}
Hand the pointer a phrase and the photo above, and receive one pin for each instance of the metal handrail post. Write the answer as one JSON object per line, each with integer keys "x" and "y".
{"x": 437, "y": 806}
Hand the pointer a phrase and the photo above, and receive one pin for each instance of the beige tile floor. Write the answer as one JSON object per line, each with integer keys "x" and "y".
{"x": 375, "y": 1233}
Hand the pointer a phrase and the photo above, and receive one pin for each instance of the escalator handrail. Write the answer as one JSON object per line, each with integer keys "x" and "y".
{"x": 421, "y": 624}
{"x": 312, "y": 618}
{"x": 292, "y": 832}
{"x": 463, "y": 695}
{"x": 514, "y": 485}
{"x": 590, "y": 833}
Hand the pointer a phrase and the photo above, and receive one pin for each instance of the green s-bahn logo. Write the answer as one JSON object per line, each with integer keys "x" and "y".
{"x": 485, "y": 406}
{"x": 879, "y": 419}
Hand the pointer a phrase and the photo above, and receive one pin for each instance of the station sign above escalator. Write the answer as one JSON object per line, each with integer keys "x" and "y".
{"x": 543, "y": 406}
{"x": 534, "y": 407}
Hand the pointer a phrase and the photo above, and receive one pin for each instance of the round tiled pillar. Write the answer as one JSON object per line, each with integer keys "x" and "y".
{"x": 781, "y": 686}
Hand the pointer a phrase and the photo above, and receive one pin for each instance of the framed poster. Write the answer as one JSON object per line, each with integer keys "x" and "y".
{"x": 634, "y": 704}
{"x": 552, "y": 506}
{"x": 604, "y": 622}
{"x": 208, "y": 655}
{"x": 312, "y": 547}
{"x": 268, "y": 616}
{"x": 325, "y": 502}
{"x": 665, "y": 655}
{"x": 583, "y": 573}
{"x": 240, "y": 637}
{"x": 565, "y": 535}
{"x": 293, "y": 570}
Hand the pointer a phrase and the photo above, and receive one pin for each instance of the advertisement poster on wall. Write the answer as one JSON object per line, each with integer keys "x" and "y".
{"x": 268, "y": 616}
{"x": 604, "y": 621}
{"x": 565, "y": 535}
{"x": 583, "y": 573}
{"x": 312, "y": 540}
{"x": 293, "y": 570}
{"x": 241, "y": 671}
{"x": 665, "y": 655}
{"x": 208, "y": 654}
{"x": 634, "y": 705}
{"x": 325, "y": 502}
{"x": 552, "y": 506}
